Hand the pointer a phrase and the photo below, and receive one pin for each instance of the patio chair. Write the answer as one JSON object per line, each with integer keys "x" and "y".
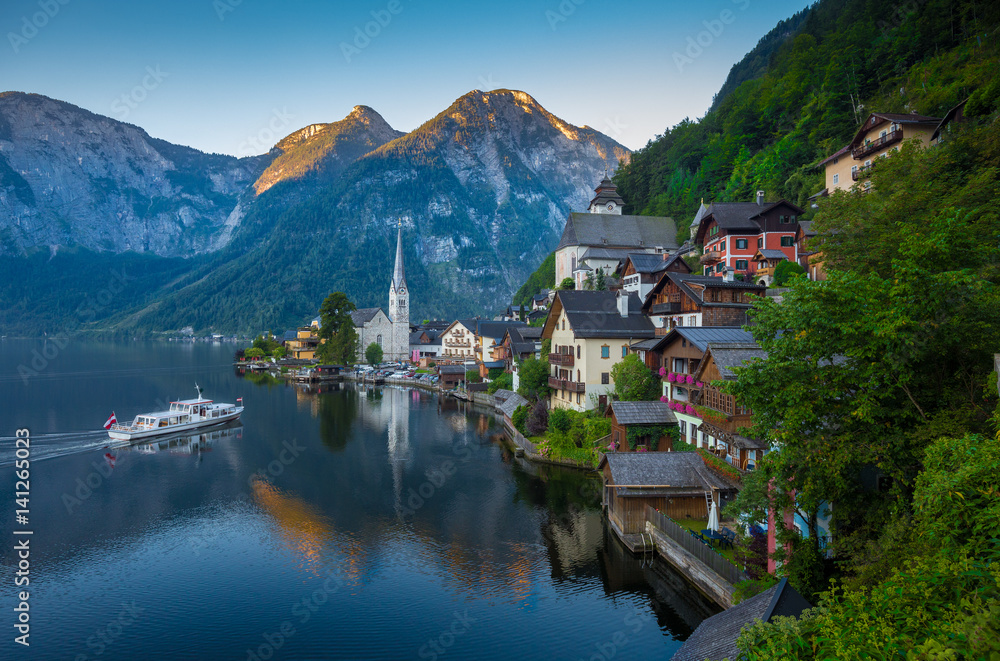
{"x": 728, "y": 537}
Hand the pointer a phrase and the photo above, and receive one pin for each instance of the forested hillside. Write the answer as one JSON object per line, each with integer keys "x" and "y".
{"x": 848, "y": 58}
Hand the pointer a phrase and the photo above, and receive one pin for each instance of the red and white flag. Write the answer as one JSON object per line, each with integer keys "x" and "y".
{"x": 112, "y": 420}
{"x": 239, "y": 400}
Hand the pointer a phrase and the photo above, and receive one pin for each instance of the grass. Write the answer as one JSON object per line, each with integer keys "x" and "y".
{"x": 697, "y": 525}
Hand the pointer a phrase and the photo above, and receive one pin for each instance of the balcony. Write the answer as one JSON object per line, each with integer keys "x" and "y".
{"x": 566, "y": 384}
{"x": 563, "y": 359}
{"x": 711, "y": 257}
{"x": 877, "y": 144}
{"x": 673, "y": 307}
{"x": 860, "y": 173}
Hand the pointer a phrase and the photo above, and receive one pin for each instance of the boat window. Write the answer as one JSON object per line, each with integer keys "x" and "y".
{"x": 163, "y": 423}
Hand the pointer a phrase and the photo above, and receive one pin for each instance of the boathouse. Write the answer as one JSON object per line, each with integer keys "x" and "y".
{"x": 677, "y": 484}
{"x": 451, "y": 375}
{"x": 647, "y": 422}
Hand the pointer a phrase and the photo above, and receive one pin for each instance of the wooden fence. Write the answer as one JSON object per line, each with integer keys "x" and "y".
{"x": 707, "y": 555}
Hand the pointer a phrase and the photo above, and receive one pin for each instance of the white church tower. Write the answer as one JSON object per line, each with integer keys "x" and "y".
{"x": 399, "y": 308}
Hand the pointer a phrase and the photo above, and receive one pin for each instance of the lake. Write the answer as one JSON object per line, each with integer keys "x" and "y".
{"x": 345, "y": 524}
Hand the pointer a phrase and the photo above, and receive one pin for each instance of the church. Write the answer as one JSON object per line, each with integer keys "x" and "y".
{"x": 390, "y": 331}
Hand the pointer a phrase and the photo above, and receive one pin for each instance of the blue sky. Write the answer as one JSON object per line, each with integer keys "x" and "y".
{"x": 227, "y": 75}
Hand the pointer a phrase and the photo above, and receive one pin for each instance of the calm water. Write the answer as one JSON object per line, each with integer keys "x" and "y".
{"x": 388, "y": 524}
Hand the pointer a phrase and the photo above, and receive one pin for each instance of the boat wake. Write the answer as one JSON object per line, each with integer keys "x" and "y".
{"x": 50, "y": 446}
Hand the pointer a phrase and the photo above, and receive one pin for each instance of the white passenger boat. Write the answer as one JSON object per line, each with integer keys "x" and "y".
{"x": 183, "y": 415}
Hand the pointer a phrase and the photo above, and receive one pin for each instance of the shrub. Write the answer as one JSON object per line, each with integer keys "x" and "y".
{"x": 472, "y": 376}
{"x": 503, "y": 382}
{"x": 560, "y": 420}
{"x": 520, "y": 417}
{"x": 538, "y": 419}
{"x": 786, "y": 270}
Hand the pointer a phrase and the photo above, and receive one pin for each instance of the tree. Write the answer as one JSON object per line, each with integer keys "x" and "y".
{"x": 786, "y": 270}
{"x": 600, "y": 280}
{"x": 538, "y": 419}
{"x": 253, "y": 352}
{"x": 337, "y": 328}
{"x": 634, "y": 382}
{"x": 279, "y": 352}
{"x": 373, "y": 354}
{"x": 505, "y": 382}
{"x": 534, "y": 379}
{"x": 567, "y": 283}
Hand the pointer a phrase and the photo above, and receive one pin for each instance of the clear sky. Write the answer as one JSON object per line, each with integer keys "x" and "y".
{"x": 233, "y": 76}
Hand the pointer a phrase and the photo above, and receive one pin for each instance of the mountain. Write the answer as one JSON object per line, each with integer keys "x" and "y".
{"x": 71, "y": 178}
{"x": 805, "y": 88}
{"x": 482, "y": 191}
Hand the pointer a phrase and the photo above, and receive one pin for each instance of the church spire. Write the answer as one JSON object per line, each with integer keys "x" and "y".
{"x": 398, "y": 274}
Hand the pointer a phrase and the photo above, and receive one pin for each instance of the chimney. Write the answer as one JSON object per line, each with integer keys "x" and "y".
{"x": 623, "y": 303}
{"x": 760, "y": 198}
{"x": 727, "y": 274}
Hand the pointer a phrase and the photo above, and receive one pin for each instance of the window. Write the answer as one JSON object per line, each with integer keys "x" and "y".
{"x": 854, "y": 172}
{"x": 715, "y": 295}
{"x": 782, "y": 219}
{"x": 624, "y": 351}
{"x": 684, "y": 342}
{"x": 680, "y": 321}
{"x": 883, "y": 133}
{"x": 741, "y": 244}
{"x": 791, "y": 219}
{"x": 578, "y": 351}
{"x": 868, "y": 164}
{"x": 722, "y": 246}
{"x": 787, "y": 241}
{"x": 836, "y": 179}
{"x": 379, "y": 340}
{"x": 714, "y": 230}
{"x": 605, "y": 378}
{"x": 719, "y": 267}
{"x": 692, "y": 320}
{"x": 760, "y": 242}
{"x": 741, "y": 265}
{"x": 577, "y": 398}
{"x": 564, "y": 324}
{"x": 605, "y": 351}
{"x": 708, "y": 270}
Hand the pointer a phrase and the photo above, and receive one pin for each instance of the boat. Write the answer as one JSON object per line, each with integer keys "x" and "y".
{"x": 183, "y": 415}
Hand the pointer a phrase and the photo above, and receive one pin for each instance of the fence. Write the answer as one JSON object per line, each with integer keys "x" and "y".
{"x": 699, "y": 549}
{"x": 519, "y": 439}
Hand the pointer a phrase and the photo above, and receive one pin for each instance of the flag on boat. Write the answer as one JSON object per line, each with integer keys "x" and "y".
{"x": 239, "y": 400}
{"x": 112, "y": 420}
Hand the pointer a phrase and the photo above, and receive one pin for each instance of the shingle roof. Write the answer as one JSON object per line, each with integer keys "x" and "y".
{"x": 683, "y": 280}
{"x": 662, "y": 469}
{"x": 604, "y": 253}
{"x": 605, "y": 229}
{"x": 595, "y": 314}
{"x": 729, "y": 355}
{"x": 487, "y": 328}
{"x": 642, "y": 413}
{"x": 771, "y": 253}
{"x": 646, "y": 344}
{"x": 451, "y": 369}
{"x": 806, "y": 227}
{"x": 363, "y": 315}
{"x": 644, "y": 262}
{"x": 715, "y": 638}
{"x": 837, "y": 154}
{"x": 511, "y": 403}
{"x": 701, "y": 336}
{"x": 738, "y": 215}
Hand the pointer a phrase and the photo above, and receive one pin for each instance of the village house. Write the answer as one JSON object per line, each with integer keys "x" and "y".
{"x": 641, "y": 271}
{"x": 676, "y": 357}
{"x": 640, "y": 417}
{"x": 488, "y": 337}
{"x": 810, "y": 260}
{"x": 603, "y": 237}
{"x": 688, "y": 299}
{"x": 425, "y": 345}
{"x": 590, "y": 332}
{"x": 723, "y": 419}
{"x": 458, "y": 342}
{"x": 514, "y": 313}
{"x": 302, "y": 346}
{"x": 518, "y": 344}
{"x": 880, "y": 134}
{"x": 540, "y": 301}
{"x": 677, "y": 484}
{"x": 372, "y": 325}
{"x": 732, "y": 232}
{"x": 451, "y": 375}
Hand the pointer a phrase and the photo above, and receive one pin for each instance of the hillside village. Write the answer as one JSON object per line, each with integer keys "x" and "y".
{"x": 632, "y": 365}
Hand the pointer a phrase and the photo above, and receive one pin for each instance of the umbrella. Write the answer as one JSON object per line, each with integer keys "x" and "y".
{"x": 713, "y": 518}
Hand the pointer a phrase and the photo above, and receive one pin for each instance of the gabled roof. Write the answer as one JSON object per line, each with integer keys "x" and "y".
{"x": 451, "y": 369}
{"x": 957, "y": 112}
{"x": 642, "y": 413}
{"x": 739, "y": 217}
{"x": 701, "y": 336}
{"x": 837, "y": 154}
{"x": 677, "y": 257}
{"x": 769, "y": 253}
{"x": 362, "y": 316}
{"x": 715, "y": 638}
{"x": 805, "y": 228}
{"x": 487, "y": 328}
{"x": 879, "y": 118}
{"x": 661, "y": 469}
{"x": 618, "y": 254}
{"x": 644, "y": 262}
{"x": 510, "y": 403}
{"x": 684, "y": 281}
{"x": 594, "y": 314}
{"x": 612, "y": 231}
{"x": 729, "y": 355}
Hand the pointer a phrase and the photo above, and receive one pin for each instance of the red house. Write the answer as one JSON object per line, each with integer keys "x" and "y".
{"x": 732, "y": 233}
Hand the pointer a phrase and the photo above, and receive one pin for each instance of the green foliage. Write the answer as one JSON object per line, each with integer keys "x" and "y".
{"x": 750, "y": 587}
{"x": 520, "y": 417}
{"x": 544, "y": 277}
{"x": 785, "y": 270}
{"x": 279, "y": 352}
{"x": 650, "y": 433}
{"x": 267, "y": 343}
{"x": 254, "y": 352}
{"x": 472, "y": 376}
{"x": 560, "y": 420}
{"x": 503, "y": 382}
{"x": 634, "y": 382}
{"x": 567, "y": 283}
{"x": 573, "y": 434}
{"x": 533, "y": 377}
{"x": 538, "y": 419}
{"x": 373, "y": 354}
{"x": 337, "y": 328}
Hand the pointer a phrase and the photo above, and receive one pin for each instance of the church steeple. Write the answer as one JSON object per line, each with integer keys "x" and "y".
{"x": 606, "y": 199}
{"x": 399, "y": 273}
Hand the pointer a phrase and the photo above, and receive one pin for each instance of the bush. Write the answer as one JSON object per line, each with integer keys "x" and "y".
{"x": 472, "y": 376}
{"x": 561, "y": 420}
{"x": 520, "y": 417}
{"x": 538, "y": 419}
{"x": 752, "y": 587}
{"x": 503, "y": 382}
{"x": 786, "y": 270}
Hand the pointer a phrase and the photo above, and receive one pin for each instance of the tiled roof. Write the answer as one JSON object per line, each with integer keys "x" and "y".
{"x": 837, "y": 154}
{"x": 683, "y": 280}
{"x": 715, "y": 638}
{"x": 771, "y": 253}
{"x": 806, "y": 227}
{"x": 605, "y": 229}
{"x": 648, "y": 262}
{"x": 701, "y": 336}
{"x": 730, "y": 355}
{"x": 646, "y": 344}
{"x": 643, "y": 413}
{"x": 662, "y": 469}
{"x": 595, "y": 314}
{"x": 604, "y": 253}
{"x": 451, "y": 369}
{"x": 510, "y": 403}
{"x": 362, "y": 316}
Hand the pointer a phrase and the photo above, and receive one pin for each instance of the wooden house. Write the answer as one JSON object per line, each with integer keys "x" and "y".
{"x": 635, "y": 415}
{"x": 723, "y": 420}
{"x": 641, "y": 271}
{"x": 767, "y": 260}
{"x": 451, "y": 375}
{"x": 675, "y": 483}
{"x": 686, "y": 299}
